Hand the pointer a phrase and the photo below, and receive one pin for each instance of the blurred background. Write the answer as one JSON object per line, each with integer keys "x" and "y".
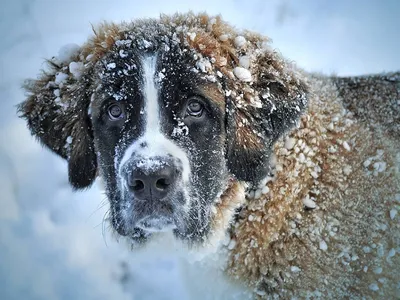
{"x": 53, "y": 242}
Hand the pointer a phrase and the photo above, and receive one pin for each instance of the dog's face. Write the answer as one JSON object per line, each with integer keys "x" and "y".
{"x": 159, "y": 129}
{"x": 169, "y": 121}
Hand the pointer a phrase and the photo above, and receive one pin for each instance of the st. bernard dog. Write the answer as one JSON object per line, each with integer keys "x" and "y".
{"x": 204, "y": 133}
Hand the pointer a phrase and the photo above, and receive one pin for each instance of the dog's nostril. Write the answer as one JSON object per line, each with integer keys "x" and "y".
{"x": 137, "y": 185}
{"x": 162, "y": 183}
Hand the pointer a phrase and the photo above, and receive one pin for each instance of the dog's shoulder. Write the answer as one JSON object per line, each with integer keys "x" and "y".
{"x": 342, "y": 239}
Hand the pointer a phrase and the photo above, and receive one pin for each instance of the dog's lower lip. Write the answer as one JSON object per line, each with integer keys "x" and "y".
{"x": 156, "y": 223}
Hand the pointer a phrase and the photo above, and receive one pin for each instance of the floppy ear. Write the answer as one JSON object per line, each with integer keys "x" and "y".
{"x": 263, "y": 111}
{"x": 56, "y": 111}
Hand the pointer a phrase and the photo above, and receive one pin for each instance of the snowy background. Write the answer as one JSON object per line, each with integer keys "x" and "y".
{"x": 53, "y": 244}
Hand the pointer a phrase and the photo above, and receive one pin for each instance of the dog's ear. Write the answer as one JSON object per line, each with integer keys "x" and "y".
{"x": 56, "y": 111}
{"x": 260, "y": 113}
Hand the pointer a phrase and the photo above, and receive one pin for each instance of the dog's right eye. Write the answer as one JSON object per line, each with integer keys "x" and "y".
{"x": 115, "y": 112}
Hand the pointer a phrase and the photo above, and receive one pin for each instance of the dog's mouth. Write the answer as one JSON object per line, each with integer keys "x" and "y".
{"x": 156, "y": 223}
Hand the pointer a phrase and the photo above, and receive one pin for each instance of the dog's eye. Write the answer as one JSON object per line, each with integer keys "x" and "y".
{"x": 115, "y": 112}
{"x": 195, "y": 108}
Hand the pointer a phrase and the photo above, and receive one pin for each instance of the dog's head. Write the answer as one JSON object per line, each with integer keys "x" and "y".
{"x": 174, "y": 114}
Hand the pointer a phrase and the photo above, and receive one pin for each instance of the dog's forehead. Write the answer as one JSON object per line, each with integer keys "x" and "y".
{"x": 121, "y": 73}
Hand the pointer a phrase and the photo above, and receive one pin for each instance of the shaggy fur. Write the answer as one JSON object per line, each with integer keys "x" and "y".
{"x": 325, "y": 224}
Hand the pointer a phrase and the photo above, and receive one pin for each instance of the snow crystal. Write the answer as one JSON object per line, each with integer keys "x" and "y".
{"x": 378, "y": 270}
{"x": 232, "y": 244}
{"x": 346, "y": 146}
{"x": 56, "y": 92}
{"x": 89, "y": 57}
{"x": 223, "y": 37}
{"x": 242, "y": 74}
{"x": 257, "y": 193}
{"x": 295, "y": 269}
{"x": 122, "y": 53}
{"x": 161, "y": 75}
{"x": 240, "y": 42}
{"x": 69, "y": 140}
{"x": 380, "y": 251}
{"x": 289, "y": 143}
{"x": 211, "y": 78}
{"x": 379, "y": 167}
{"x": 146, "y": 44}
{"x": 373, "y": 287}
{"x": 397, "y": 197}
{"x": 251, "y": 194}
{"x": 264, "y": 181}
{"x": 367, "y": 163}
{"x": 393, "y": 213}
{"x": 392, "y": 252}
{"x": 76, "y": 69}
{"x": 308, "y": 202}
{"x": 347, "y": 170}
{"x": 148, "y": 164}
{"x": 244, "y": 61}
{"x": 60, "y": 78}
{"x": 302, "y": 158}
{"x": 126, "y": 43}
{"x": 323, "y": 246}
{"x": 265, "y": 190}
{"x": 204, "y": 65}
{"x": 182, "y": 129}
{"x": 192, "y": 35}
{"x": 111, "y": 66}
{"x": 67, "y": 52}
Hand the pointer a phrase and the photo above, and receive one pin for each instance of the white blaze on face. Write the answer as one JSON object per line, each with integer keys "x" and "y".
{"x": 158, "y": 145}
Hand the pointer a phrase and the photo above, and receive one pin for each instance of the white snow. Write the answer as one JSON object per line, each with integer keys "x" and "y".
{"x": 308, "y": 202}
{"x": 223, "y": 37}
{"x": 67, "y": 52}
{"x": 346, "y": 146}
{"x": 60, "y": 78}
{"x": 204, "y": 65}
{"x": 289, "y": 143}
{"x": 76, "y": 69}
{"x": 242, "y": 74}
{"x": 240, "y": 41}
{"x": 392, "y": 252}
{"x": 192, "y": 35}
{"x": 373, "y": 287}
{"x": 111, "y": 66}
{"x": 323, "y": 246}
{"x": 244, "y": 61}
{"x": 295, "y": 269}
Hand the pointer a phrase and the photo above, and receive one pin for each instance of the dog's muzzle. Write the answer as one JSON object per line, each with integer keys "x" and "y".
{"x": 151, "y": 183}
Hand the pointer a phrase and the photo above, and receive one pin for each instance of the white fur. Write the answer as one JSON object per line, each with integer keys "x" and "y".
{"x": 157, "y": 143}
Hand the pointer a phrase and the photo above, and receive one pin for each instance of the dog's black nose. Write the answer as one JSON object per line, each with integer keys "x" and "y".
{"x": 152, "y": 183}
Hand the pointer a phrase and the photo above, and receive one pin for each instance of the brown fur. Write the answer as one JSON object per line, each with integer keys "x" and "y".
{"x": 352, "y": 213}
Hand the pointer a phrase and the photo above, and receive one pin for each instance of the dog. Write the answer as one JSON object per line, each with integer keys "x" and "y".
{"x": 206, "y": 132}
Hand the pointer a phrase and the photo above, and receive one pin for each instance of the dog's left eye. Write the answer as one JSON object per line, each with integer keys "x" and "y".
{"x": 115, "y": 112}
{"x": 195, "y": 108}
